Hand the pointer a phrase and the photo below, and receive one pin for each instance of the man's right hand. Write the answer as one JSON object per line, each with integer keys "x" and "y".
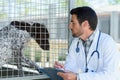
{"x": 58, "y": 65}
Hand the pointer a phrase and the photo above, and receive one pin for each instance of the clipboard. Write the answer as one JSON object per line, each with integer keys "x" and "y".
{"x": 51, "y": 72}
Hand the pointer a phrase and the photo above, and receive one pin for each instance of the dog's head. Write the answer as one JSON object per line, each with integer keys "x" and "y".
{"x": 38, "y": 31}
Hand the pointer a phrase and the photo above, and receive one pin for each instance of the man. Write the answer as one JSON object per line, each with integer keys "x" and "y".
{"x": 92, "y": 55}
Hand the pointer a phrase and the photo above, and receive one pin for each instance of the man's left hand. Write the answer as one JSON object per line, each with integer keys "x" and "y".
{"x": 67, "y": 75}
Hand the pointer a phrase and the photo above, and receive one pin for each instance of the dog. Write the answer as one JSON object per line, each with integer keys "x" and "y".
{"x": 14, "y": 37}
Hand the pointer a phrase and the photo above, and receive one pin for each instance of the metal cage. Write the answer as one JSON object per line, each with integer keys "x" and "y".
{"x": 33, "y": 34}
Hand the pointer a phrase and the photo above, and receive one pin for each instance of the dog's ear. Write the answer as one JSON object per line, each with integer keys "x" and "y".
{"x": 41, "y": 34}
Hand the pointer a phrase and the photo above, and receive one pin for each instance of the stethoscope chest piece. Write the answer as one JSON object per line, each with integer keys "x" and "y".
{"x": 77, "y": 48}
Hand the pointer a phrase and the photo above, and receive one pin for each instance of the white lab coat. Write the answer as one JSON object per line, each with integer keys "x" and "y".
{"x": 108, "y": 64}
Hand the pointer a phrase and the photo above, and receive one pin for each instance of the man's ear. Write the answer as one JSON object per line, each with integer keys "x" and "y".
{"x": 85, "y": 24}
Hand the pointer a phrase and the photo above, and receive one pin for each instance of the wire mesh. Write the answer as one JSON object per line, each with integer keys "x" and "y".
{"x": 33, "y": 34}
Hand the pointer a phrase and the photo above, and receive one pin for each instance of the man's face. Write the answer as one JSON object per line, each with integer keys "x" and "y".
{"x": 75, "y": 27}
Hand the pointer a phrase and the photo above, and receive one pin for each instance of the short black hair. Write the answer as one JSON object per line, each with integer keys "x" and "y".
{"x": 86, "y": 13}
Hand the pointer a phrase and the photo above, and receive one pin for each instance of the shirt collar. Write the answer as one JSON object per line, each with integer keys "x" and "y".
{"x": 90, "y": 38}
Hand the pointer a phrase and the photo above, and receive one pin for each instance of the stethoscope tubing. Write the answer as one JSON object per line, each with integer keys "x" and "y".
{"x": 95, "y": 51}
{"x": 97, "y": 46}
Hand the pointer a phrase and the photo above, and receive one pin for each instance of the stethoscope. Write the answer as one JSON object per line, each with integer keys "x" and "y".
{"x": 95, "y": 51}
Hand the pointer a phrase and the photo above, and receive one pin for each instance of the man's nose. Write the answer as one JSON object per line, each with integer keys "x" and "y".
{"x": 70, "y": 25}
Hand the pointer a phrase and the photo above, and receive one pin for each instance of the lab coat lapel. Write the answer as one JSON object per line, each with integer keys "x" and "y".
{"x": 93, "y": 45}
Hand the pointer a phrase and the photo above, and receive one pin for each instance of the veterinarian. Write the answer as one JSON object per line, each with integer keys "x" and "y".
{"x": 93, "y": 55}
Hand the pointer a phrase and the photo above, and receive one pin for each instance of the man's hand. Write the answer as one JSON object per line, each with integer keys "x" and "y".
{"x": 68, "y": 75}
{"x": 58, "y": 65}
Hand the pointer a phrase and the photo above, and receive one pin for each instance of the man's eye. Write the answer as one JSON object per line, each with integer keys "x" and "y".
{"x": 73, "y": 23}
